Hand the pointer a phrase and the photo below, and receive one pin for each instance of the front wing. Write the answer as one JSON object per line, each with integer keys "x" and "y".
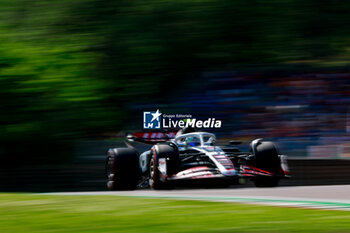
{"x": 204, "y": 172}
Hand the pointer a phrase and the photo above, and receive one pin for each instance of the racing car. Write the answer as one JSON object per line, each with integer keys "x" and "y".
{"x": 160, "y": 162}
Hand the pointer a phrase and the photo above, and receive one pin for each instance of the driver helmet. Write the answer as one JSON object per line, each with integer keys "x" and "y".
{"x": 193, "y": 141}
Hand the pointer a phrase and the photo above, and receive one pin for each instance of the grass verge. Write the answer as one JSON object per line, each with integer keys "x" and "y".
{"x": 40, "y": 213}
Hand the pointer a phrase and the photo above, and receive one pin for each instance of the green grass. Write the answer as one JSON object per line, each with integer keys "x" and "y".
{"x": 39, "y": 213}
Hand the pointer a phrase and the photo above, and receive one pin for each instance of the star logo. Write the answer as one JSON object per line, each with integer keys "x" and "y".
{"x": 156, "y": 115}
{"x": 151, "y": 120}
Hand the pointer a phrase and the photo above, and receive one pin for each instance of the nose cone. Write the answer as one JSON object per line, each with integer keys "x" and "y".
{"x": 230, "y": 172}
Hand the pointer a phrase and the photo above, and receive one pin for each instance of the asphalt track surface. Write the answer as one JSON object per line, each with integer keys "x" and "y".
{"x": 323, "y": 197}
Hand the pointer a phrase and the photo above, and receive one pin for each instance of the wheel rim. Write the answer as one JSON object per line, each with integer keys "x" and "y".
{"x": 109, "y": 174}
{"x": 151, "y": 172}
{"x": 109, "y": 168}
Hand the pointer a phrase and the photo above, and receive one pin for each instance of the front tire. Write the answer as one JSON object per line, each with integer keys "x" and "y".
{"x": 154, "y": 180}
{"x": 266, "y": 158}
{"x": 170, "y": 153}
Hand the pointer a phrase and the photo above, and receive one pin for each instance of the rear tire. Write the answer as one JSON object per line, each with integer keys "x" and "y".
{"x": 122, "y": 169}
{"x": 266, "y": 158}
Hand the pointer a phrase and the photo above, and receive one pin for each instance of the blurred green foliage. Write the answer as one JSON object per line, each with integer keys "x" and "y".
{"x": 69, "y": 68}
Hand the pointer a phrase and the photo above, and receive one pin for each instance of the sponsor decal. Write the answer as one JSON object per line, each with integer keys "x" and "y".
{"x": 157, "y": 120}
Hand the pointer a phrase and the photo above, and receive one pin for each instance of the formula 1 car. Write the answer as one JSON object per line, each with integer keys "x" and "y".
{"x": 191, "y": 156}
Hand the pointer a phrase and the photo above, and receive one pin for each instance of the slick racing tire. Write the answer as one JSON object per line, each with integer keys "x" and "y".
{"x": 122, "y": 169}
{"x": 169, "y": 152}
{"x": 266, "y": 158}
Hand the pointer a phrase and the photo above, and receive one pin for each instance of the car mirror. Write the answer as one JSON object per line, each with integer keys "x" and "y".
{"x": 130, "y": 136}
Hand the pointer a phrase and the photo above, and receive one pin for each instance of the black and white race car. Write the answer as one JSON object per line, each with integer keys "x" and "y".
{"x": 191, "y": 156}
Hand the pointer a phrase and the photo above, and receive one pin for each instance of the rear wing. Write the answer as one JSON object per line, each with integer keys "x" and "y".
{"x": 150, "y": 137}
